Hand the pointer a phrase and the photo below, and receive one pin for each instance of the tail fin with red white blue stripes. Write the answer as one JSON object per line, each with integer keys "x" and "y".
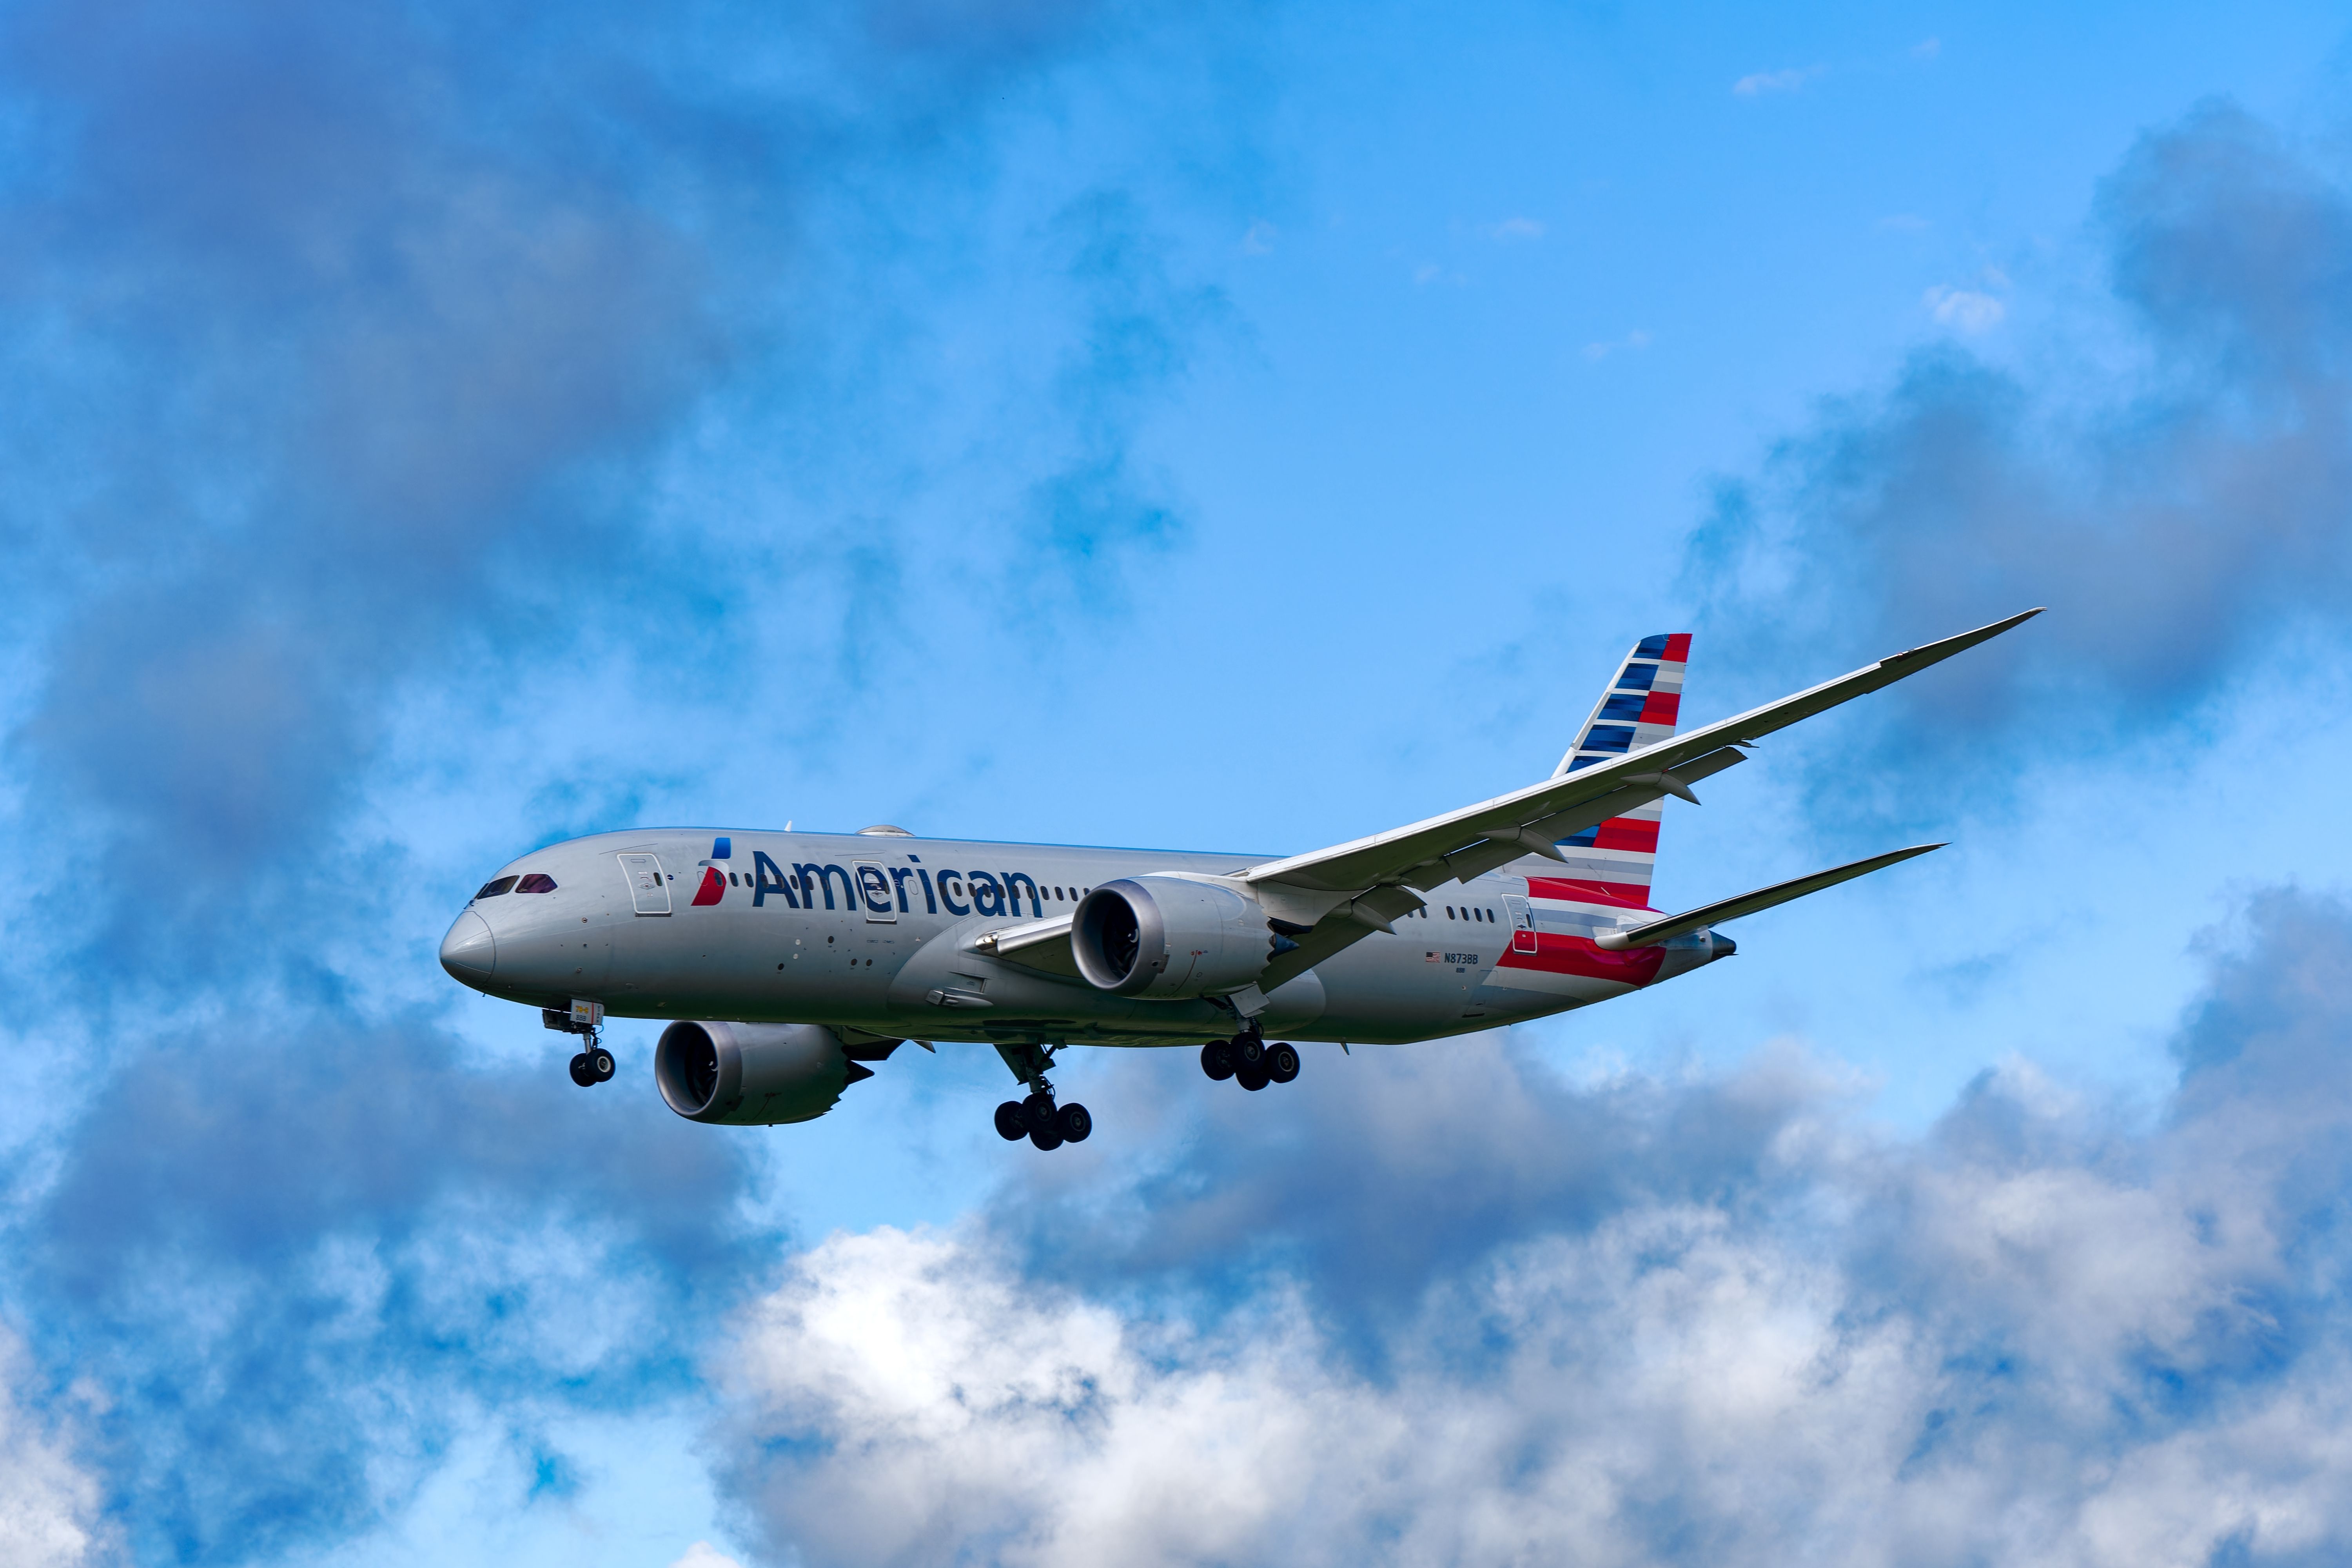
{"x": 1615, "y": 858}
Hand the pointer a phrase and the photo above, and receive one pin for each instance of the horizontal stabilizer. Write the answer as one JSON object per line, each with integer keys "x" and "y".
{"x": 1673, "y": 926}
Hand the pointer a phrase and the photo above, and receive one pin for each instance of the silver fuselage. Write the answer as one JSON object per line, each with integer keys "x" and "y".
{"x": 873, "y": 933}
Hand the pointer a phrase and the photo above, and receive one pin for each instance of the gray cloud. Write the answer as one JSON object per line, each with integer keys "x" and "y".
{"x": 348, "y": 364}
{"x": 1728, "y": 1327}
{"x": 2178, "y": 504}
{"x": 297, "y": 1270}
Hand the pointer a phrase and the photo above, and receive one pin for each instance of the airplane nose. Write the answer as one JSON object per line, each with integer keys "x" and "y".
{"x": 469, "y": 952}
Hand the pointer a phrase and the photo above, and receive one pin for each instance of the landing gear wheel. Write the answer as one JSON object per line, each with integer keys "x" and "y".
{"x": 1072, "y": 1123}
{"x": 1247, "y": 1051}
{"x": 1009, "y": 1124}
{"x": 1046, "y": 1137}
{"x": 1217, "y": 1060}
{"x": 1253, "y": 1078}
{"x": 1282, "y": 1062}
{"x": 580, "y": 1074}
{"x": 1037, "y": 1114}
{"x": 600, "y": 1064}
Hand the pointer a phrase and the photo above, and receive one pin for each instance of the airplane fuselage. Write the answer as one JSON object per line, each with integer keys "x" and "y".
{"x": 874, "y": 933}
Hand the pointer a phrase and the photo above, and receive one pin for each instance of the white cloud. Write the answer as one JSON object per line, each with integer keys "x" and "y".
{"x": 1964, "y": 310}
{"x": 1680, "y": 1361}
{"x": 48, "y": 1505}
{"x": 1512, "y": 228}
{"x": 1632, "y": 342}
{"x": 2032, "y": 1337}
{"x": 702, "y": 1554}
{"x": 1904, "y": 223}
{"x": 1928, "y": 49}
{"x": 1258, "y": 238}
{"x": 1761, "y": 82}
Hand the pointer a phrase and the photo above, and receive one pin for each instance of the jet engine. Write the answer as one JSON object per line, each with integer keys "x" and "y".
{"x": 1163, "y": 937}
{"x": 752, "y": 1075}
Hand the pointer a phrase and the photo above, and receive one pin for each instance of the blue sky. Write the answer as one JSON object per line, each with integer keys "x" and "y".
{"x": 436, "y": 431}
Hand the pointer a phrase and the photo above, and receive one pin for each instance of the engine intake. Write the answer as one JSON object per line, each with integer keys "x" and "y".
{"x": 750, "y": 1075}
{"x": 1165, "y": 936}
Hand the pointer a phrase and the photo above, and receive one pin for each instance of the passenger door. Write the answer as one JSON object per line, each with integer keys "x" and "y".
{"x": 648, "y": 887}
{"x": 874, "y": 889}
{"x": 1523, "y": 924}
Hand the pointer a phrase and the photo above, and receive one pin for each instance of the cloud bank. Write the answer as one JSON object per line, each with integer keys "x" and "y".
{"x": 2176, "y": 492}
{"x": 1700, "y": 1322}
{"x": 355, "y": 367}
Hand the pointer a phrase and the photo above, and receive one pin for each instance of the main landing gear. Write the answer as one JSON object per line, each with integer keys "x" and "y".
{"x": 1248, "y": 1061}
{"x": 591, "y": 1066}
{"x": 1037, "y": 1118}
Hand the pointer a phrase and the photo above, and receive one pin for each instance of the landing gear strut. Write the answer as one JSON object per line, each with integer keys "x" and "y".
{"x": 594, "y": 1065}
{"x": 1037, "y": 1118}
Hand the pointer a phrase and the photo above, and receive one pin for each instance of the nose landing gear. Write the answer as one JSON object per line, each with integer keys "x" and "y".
{"x": 594, "y": 1065}
{"x": 1037, "y": 1118}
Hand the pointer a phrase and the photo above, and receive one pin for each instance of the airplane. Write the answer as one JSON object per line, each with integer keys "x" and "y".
{"x": 786, "y": 961}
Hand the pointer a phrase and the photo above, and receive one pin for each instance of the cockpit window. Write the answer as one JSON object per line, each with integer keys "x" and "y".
{"x": 537, "y": 882}
{"x": 492, "y": 889}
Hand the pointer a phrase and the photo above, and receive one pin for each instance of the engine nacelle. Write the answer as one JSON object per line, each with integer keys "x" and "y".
{"x": 750, "y": 1075}
{"x": 1165, "y": 936}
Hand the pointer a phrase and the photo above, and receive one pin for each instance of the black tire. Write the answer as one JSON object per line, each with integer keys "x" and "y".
{"x": 579, "y": 1073}
{"x": 1217, "y": 1060}
{"x": 1008, "y": 1125}
{"x": 1282, "y": 1061}
{"x": 1251, "y": 1079}
{"x": 1037, "y": 1114}
{"x": 1047, "y": 1138}
{"x": 1248, "y": 1051}
{"x": 600, "y": 1062}
{"x": 1072, "y": 1123}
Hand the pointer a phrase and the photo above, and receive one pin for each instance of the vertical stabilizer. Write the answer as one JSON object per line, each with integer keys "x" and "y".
{"x": 1640, "y": 709}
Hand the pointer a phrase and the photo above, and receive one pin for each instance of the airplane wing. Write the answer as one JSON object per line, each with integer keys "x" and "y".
{"x": 1723, "y": 910}
{"x": 1383, "y": 871}
{"x": 1477, "y": 838}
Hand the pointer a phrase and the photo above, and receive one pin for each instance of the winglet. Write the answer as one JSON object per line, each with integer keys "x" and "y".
{"x": 1966, "y": 640}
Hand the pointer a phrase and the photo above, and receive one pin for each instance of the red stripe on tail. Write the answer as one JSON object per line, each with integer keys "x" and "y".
{"x": 1624, "y": 895}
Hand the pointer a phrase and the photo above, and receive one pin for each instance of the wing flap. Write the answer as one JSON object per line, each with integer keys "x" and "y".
{"x": 1722, "y": 909}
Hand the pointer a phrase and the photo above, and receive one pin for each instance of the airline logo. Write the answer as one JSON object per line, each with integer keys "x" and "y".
{"x": 714, "y": 877}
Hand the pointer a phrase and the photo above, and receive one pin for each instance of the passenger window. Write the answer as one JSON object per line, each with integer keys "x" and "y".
{"x": 492, "y": 889}
{"x": 537, "y": 882}
{"x": 731, "y": 881}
